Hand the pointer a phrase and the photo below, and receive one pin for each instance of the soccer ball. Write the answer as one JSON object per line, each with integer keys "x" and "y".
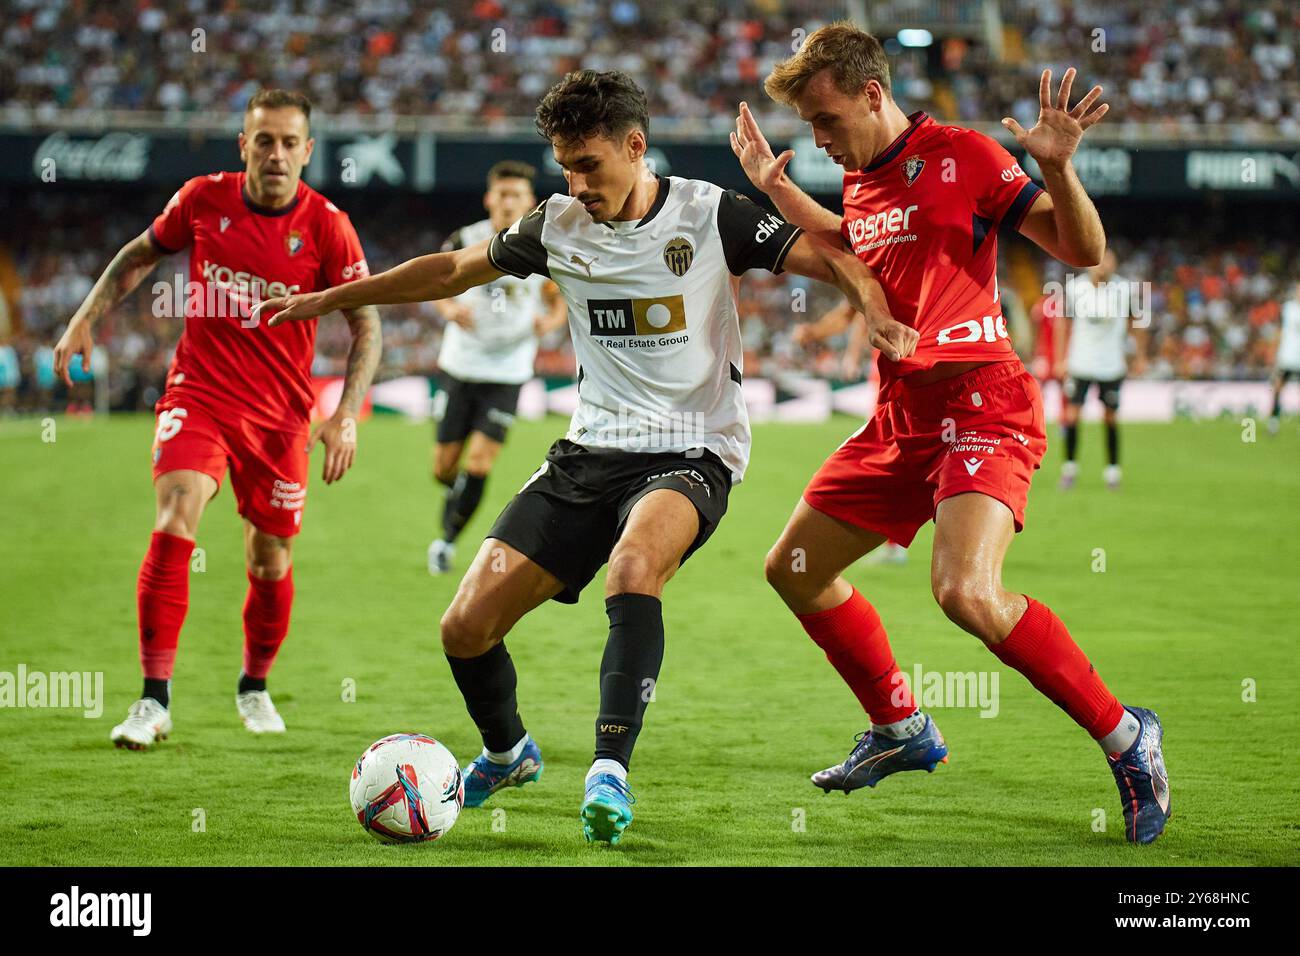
{"x": 406, "y": 788}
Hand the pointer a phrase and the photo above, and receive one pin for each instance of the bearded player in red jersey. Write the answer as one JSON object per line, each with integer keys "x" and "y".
{"x": 238, "y": 393}
{"x": 959, "y": 428}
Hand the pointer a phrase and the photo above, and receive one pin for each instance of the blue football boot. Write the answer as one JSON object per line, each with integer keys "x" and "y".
{"x": 483, "y": 777}
{"x": 1142, "y": 780}
{"x": 876, "y": 756}
{"x": 606, "y": 809}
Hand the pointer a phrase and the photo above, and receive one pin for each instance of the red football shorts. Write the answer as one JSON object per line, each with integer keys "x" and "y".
{"x": 982, "y": 431}
{"x": 268, "y": 468}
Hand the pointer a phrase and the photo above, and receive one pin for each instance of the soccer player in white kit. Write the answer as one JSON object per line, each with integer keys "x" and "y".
{"x": 649, "y": 266}
{"x": 1091, "y": 342}
{"x": 1288, "y": 356}
{"x": 488, "y": 349}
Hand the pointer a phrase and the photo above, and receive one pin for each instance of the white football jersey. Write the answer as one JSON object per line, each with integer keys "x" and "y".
{"x": 1099, "y": 316}
{"x": 501, "y": 347}
{"x": 652, "y": 312}
{"x": 1288, "y": 349}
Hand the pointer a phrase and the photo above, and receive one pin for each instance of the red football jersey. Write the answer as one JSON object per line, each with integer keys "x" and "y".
{"x": 240, "y": 254}
{"x": 924, "y": 215}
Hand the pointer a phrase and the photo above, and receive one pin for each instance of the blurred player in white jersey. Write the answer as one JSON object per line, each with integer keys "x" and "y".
{"x": 1288, "y": 356}
{"x": 1091, "y": 344}
{"x": 487, "y": 354}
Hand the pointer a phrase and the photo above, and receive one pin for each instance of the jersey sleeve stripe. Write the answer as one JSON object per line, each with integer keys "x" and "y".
{"x": 157, "y": 243}
{"x": 1015, "y": 213}
{"x": 778, "y": 265}
{"x": 492, "y": 259}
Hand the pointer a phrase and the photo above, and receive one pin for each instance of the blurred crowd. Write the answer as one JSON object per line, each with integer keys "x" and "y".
{"x": 1179, "y": 66}
{"x": 1214, "y": 305}
{"x": 1176, "y": 64}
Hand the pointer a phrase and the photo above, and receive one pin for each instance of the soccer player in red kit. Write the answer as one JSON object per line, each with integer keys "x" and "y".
{"x": 959, "y": 428}
{"x": 238, "y": 393}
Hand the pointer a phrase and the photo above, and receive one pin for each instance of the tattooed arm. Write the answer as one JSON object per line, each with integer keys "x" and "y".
{"x": 133, "y": 262}
{"x": 339, "y": 434}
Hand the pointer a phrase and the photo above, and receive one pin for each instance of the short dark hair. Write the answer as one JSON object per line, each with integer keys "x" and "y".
{"x": 278, "y": 99}
{"x": 586, "y": 103}
{"x": 511, "y": 169}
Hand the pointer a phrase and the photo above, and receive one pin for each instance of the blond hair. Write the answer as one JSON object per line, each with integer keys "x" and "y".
{"x": 852, "y": 55}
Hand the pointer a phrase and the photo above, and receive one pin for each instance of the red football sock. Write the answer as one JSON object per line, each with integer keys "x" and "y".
{"x": 266, "y": 622}
{"x": 857, "y": 646}
{"x": 1041, "y": 648}
{"x": 162, "y": 596}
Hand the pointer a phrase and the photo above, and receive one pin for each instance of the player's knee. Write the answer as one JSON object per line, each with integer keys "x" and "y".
{"x": 445, "y": 474}
{"x": 965, "y": 600}
{"x": 269, "y": 569}
{"x": 632, "y": 569}
{"x": 787, "y": 571}
{"x": 464, "y": 632}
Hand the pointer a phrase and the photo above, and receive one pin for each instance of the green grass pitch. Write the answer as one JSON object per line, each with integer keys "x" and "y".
{"x": 1194, "y": 615}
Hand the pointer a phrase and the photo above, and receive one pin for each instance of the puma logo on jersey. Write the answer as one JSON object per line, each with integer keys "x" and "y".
{"x": 225, "y": 223}
{"x": 586, "y": 264}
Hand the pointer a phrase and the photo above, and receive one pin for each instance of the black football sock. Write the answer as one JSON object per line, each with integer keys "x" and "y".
{"x": 487, "y": 683}
{"x": 1277, "y": 404}
{"x": 628, "y": 672}
{"x": 462, "y": 501}
{"x": 1112, "y": 444}
{"x": 1071, "y": 441}
{"x": 247, "y": 683}
{"x": 159, "y": 690}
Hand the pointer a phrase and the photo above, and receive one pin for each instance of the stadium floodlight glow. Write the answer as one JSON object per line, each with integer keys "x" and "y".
{"x": 915, "y": 38}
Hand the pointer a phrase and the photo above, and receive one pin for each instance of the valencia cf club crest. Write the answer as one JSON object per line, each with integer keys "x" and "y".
{"x": 912, "y": 167}
{"x": 293, "y": 242}
{"x": 678, "y": 255}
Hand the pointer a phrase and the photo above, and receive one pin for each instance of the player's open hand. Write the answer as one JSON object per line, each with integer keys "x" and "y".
{"x": 751, "y": 148}
{"x": 76, "y": 340}
{"x": 287, "y": 308}
{"x": 895, "y": 340}
{"x": 458, "y": 313}
{"x": 1056, "y": 135}
{"x": 804, "y": 335}
{"x": 339, "y": 436}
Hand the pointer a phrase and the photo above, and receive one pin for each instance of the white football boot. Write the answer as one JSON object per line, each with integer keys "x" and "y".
{"x": 441, "y": 554}
{"x": 146, "y": 723}
{"x": 258, "y": 713}
{"x": 1112, "y": 476}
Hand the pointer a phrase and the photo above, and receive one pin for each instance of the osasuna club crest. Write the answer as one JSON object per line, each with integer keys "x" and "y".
{"x": 293, "y": 242}
{"x": 678, "y": 255}
{"x": 912, "y": 167}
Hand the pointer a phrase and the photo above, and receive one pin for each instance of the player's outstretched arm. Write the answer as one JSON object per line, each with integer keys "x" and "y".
{"x": 557, "y": 311}
{"x": 1062, "y": 221}
{"x": 767, "y": 172}
{"x": 437, "y": 276}
{"x": 811, "y": 257}
{"x": 830, "y": 324}
{"x": 133, "y": 262}
{"x": 339, "y": 433}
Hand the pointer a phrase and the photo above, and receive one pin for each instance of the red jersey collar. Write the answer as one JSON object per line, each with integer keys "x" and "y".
{"x": 266, "y": 210}
{"x": 918, "y": 119}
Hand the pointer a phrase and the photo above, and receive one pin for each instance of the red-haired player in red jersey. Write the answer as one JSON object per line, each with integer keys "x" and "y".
{"x": 238, "y": 393}
{"x": 959, "y": 428}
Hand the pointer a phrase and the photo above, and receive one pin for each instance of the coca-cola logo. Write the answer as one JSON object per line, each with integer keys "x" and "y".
{"x": 121, "y": 156}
